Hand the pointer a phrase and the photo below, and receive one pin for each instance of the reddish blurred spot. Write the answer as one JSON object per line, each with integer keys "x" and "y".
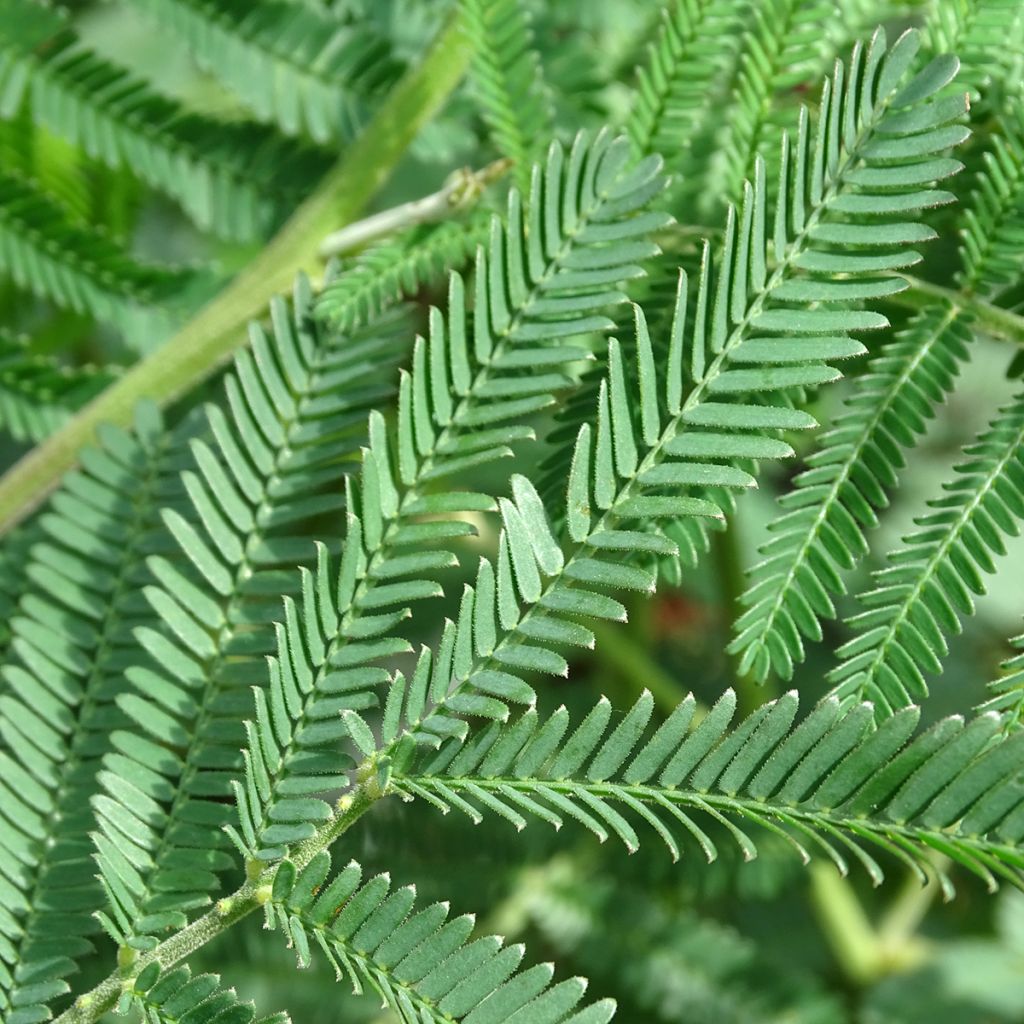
{"x": 676, "y": 613}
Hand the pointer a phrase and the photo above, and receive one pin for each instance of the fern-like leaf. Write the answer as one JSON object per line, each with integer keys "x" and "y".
{"x": 820, "y": 533}
{"x": 784, "y": 49}
{"x": 917, "y": 600}
{"x": 273, "y": 464}
{"x": 422, "y": 965}
{"x": 507, "y": 81}
{"x": 687, "y": 64}
{"x": 543, "y": 281}
{"x": 71, "y": 635}
{"x": 229, "y": 178}
{"x": 832, "y": 782}
{"x": 640, "y": 480}
{"x": 303, "y": 70}
{"x": 987, "y": 34}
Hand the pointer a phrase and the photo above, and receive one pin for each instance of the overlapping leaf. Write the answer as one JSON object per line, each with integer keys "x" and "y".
{"x": 269, "y": 466}
{"x": 71, "y": 639}
{"x": 672, "y": 441}
{"x": 541, "y": 286}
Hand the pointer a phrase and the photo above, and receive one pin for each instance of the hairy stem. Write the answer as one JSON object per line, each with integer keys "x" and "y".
{"x": 208, "y": 340}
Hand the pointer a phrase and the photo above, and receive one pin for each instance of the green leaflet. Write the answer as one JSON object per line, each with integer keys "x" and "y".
{"x": 918, "y": 599}
{"x": 688, "y": 61}
{"x": 269, "y": 462}
{"x": 1008, "y": 689}
{"x": 621, "y": 482}
{"x": 507, "y": 82}
{"x": 379, "y": 275}
{"x": 831, "y": 784}
{"x": 70, "y": 634}
{"x": 421, "y": 963}
{"x": 820, "y": 534}
{"x": 166, "y": 997}
{"x": 543, "y": 280}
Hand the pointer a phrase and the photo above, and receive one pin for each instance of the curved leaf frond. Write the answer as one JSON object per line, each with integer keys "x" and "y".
{"x": 993, "y": 231}
{"x": 918, "y": 598}
{"x": 785, "y": 49}
{"x": 820, "y": 533}
{"x": 70, "y": 635}
{"x": 831, "y": 784}
{"x": 422, "y": 965}
{"x": 543, "y": 282}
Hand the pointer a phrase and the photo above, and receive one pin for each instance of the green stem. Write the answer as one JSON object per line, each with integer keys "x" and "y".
{"x": 866, "y": 953}
{"x": 897, "y": 929}
{"x": 213, "y": 334}
{"x": 998, "y": 322}
{"x": 846, "y": 927}
{"x": 728, "y": 567}
{"x": 229, "y": 911}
